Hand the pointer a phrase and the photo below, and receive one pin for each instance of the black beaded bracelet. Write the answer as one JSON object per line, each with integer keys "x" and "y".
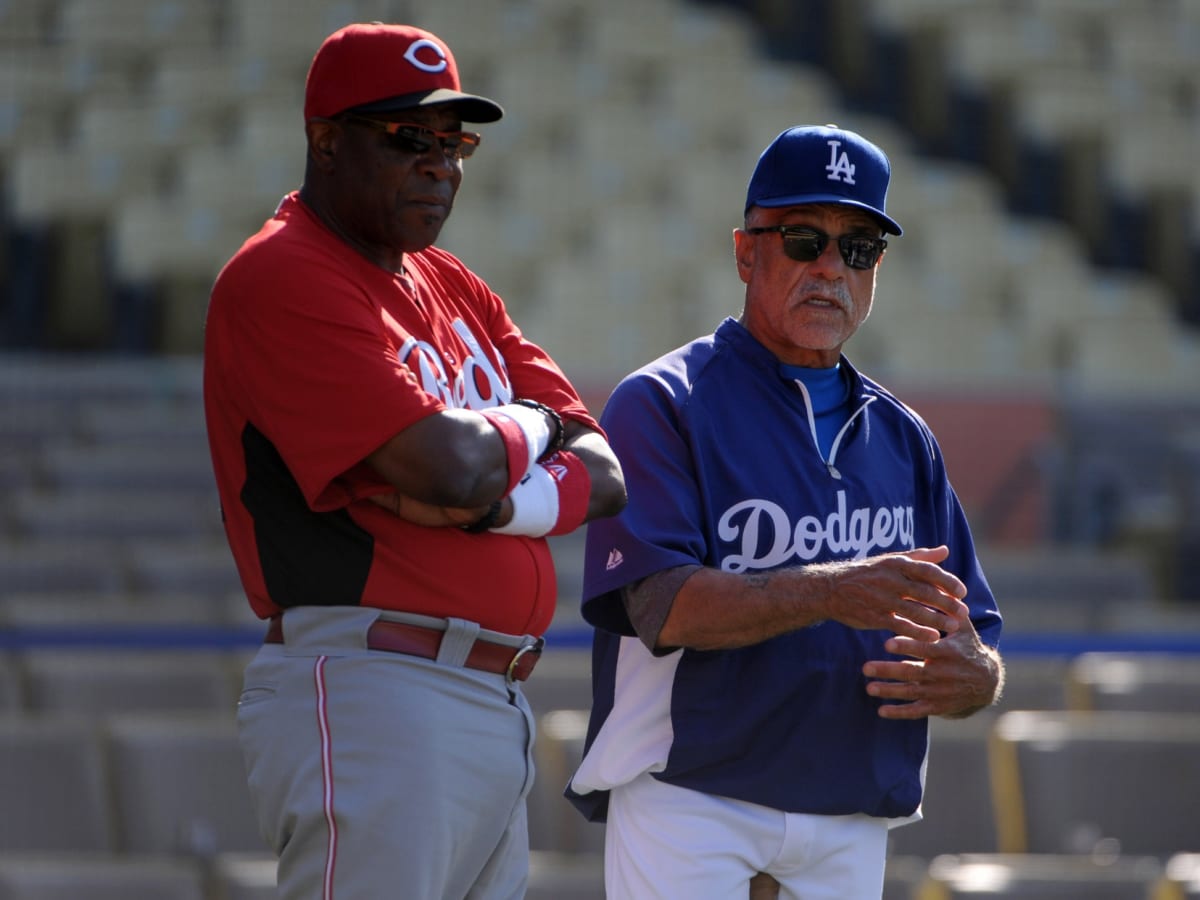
{"x": 559, "y": 437}
{"x": 487, "y": 521}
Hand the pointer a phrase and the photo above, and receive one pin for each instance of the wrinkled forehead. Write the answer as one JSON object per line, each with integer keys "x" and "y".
{"x": 837, "y": 215}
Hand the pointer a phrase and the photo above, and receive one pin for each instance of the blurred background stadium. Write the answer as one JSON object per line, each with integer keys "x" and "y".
{"x": 1041, "y": 311}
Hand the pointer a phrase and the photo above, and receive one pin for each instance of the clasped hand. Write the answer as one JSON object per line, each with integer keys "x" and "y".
{"x": 949, "y": 671}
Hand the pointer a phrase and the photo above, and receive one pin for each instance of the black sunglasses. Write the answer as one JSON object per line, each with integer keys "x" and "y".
{"x": 419, "y": 139}
{"x": 805, "y": 244}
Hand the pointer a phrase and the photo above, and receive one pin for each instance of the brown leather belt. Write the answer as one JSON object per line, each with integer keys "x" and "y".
{"x": 515, "y": 663}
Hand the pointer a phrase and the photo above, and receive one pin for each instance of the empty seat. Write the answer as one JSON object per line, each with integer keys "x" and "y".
{"x": 159, "y": 236}
{"x": 174, "y": 422}
{"x": 192, "y": 566}
{"x": 1034, "y": 681}
{"x": 179, "y": 784}
{"x": 100, "y": 683}
{"x": 53, "y": 783}
{"x": 1181, "y": 880}
{"x": 114, "y": 514}
{"x": 158, "y": 461}
{"x": 1150, "y": 682}
{"x": 565, "y": 876}
{"x": 903, "y": 876}
{"x": 49, "y": 183}
{"x": 562, "y": 680}
{"x": 1040, "y": 877}
{"x": 957, "y": 805}
{"x": 122, "y": 125}
{"x": 98, "y": 877}
{"x": 137, "y": 26}
{"x": 87, "y": 617}
{"x": 1064, "y": 589}
{"x": 214, "y": 80}
{"x": 554, "y": 824}
{"x": 244, "y": 876}
{"x": 280, "y": 29}
{"x": 12, "y": 686}
{"x": 1085, "y": 782}
{"x": 59, "y": 566}
{"x": 28, "y": 22}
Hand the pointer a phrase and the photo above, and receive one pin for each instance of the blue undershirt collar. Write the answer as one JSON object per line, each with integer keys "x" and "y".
{"x": 829, "y": 394}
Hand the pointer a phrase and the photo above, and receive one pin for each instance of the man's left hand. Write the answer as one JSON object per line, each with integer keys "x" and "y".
{"x": 952, "y": 677}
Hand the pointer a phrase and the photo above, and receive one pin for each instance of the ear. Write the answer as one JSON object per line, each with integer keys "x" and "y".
{"x": 323, "y": 138}
{"x": 743, "y": 252}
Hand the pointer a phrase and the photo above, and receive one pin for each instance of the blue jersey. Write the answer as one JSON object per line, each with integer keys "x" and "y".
{"x": 723, "y": 469}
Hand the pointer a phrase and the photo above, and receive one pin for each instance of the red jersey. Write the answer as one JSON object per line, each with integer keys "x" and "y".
{"x": 314, "y": 358}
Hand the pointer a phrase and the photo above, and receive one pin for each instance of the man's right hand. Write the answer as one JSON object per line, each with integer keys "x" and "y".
{"x": 905, "y": 592}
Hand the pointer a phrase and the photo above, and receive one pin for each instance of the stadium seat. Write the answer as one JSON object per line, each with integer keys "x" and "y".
{"x": 243, "y": 876}
{"x": 958, "y": 814}
{"x": 137, "y": 26}
{"x": 136, "y": 462}
{"x": 105, "y": 682}
{"x": 52, "y": 779}
{"x": 30, "y": 22}
{"x": 1065, "y": 589}
{"x": 565, "y": 876}
{"x": 1095, "y": 782}
{"x": 1033, "y": 681}
{"x": 214, "y": 82}
{"x": 1146, "y": 682}
{"x": 100, "y": 614}
{"x": 281, "y": 30}
{"x": 172, "y": 420}
{"x": 903, "y": 876}
{"x": 59, "y": 566}
{"x": 64, "y": 876}
{"x": 12, "y": 686}
{"x": 114, "y": 514}
{"x": 1039, "y": 877}
{"x": 179, "y": 784}
{"x": 1181, "y": 880}
{"x": 562, "y": 680}
{"x": 50, "y": 184}
{"x": 554, "y": 824}
{"x": 159, "y": 236}
{"x": 191, "y": 566}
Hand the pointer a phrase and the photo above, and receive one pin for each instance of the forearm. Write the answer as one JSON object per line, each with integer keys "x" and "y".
{"x": 906, "y": 593}
{"x": 607, "y": 495}
{"x": 464, "y": 459}
{"x": 716, "y": 610}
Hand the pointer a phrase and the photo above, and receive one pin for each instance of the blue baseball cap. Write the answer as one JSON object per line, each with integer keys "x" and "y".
{"x": 823, "y": 164}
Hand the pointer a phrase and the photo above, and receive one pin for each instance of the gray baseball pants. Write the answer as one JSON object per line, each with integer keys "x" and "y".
{"x": 378, "y": 775}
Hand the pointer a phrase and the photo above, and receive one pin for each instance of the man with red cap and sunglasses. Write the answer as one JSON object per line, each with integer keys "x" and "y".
{"x": 792, "y": 589}
{"x": 390, "y": 453}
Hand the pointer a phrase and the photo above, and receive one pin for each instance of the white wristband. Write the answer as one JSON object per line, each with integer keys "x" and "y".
{"x": 535, "y": 505}
{"x": 533, "y": 425}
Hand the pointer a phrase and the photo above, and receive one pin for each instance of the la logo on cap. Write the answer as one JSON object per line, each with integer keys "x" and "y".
{"x": 840, "y": 168}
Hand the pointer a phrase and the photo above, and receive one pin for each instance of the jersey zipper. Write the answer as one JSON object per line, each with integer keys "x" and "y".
{"x": 837, "y": 440}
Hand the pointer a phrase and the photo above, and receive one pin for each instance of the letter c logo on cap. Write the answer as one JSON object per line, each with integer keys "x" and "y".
{"x": 411, "y": 55}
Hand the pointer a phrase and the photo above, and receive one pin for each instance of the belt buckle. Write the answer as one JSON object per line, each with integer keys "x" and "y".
{"x": 511, "y": 672}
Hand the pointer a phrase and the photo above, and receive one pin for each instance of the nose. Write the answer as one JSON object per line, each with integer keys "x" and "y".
{"x": 438, "y": 164}
{"x": 830, "y": 260}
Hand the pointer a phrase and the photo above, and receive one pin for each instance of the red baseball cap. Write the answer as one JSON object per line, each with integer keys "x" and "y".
{"x": 379, "y": 68}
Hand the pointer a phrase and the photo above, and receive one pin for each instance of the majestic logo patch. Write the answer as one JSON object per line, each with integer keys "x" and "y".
{"x": 425, "y": 44}
{"x": 615, "y": 558}
{"x": 840, "y": 168}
